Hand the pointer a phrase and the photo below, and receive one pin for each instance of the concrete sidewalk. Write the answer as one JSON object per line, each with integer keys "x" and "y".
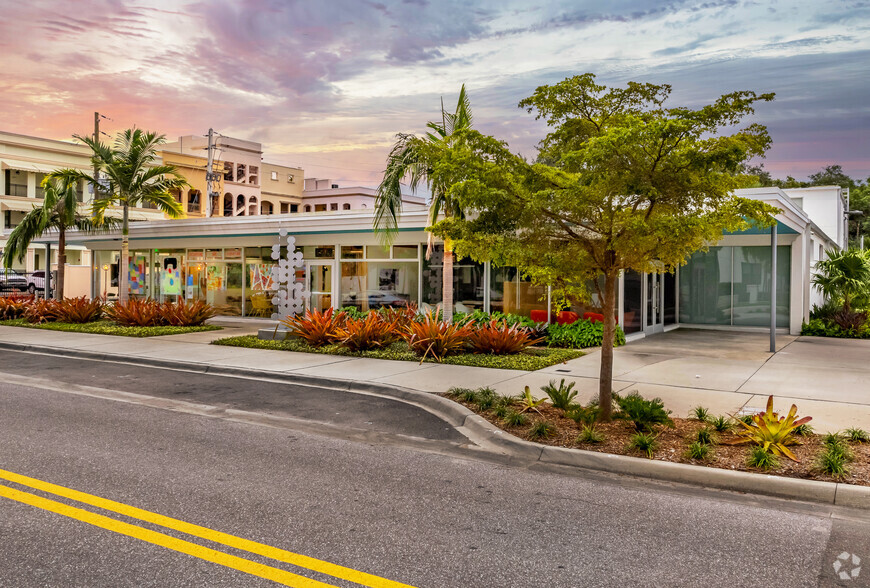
{"x": 726, "y": 372}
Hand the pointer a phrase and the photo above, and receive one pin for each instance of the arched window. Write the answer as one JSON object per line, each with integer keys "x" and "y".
{"x": 307, "y": 208}
{"x": 266, "y": 208}
{"x": 228, "y": 204}
{"x": 240, "y": 202}
{"x": 345, "y": 206}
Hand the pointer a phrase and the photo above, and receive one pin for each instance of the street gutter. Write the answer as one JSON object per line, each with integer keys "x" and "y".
{"x": 489, "y": 437}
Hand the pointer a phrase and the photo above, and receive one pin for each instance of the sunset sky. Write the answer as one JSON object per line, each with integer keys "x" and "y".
{"x": 327, "y": 84}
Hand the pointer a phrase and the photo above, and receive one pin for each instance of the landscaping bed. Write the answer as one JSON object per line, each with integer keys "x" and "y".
{"x": 553, "y": 427}
{"x": 110, "y": 328}
{"x": 530, "y": 359}
{"x": 134, "y": 318}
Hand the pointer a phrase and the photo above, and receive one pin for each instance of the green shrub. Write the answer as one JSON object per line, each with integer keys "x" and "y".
{"x": 645, "y": 414}
{"x": 589, "y": 434}
{"x": 561, "y": 395}
{"x": 722, "y": 424}
{"x": 500, "y": 411}
{"x": 759, "y": 458}
{"x": 803, "y": 430}
{"x": 832, "y": 439}
{"x": 705, "y": 437}
{"x": 542, "y": 430}
{"x": 699, "y": 413}
{"x": 581, "y": 334}
{"x": 834, "y": 459}
{"x": 586, "y": 415}
{"x": 645, "y": 443}
{"x": 485, "y": 398}
{"x": 825, "y": 328}
{"x": 515, "y": 418}
{"x": 699, "y": 451}
{"x": 857, "y": 435}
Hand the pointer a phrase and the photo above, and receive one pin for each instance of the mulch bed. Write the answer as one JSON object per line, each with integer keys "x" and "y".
{"x": 673, "y": 443}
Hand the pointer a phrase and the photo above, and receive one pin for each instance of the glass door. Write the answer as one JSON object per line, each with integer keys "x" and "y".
{"x": 319, "y": 282}
{"x": 653, "y": 303}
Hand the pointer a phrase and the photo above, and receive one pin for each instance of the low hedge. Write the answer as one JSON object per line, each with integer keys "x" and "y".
{"x": 529, "y": 360}
{"x": 821, "y": 328}
{"x": 110, "y": 328}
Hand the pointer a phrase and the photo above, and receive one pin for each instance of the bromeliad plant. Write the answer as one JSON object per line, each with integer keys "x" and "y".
{"x": 771, "y": 432}
{"x": 135, "y": 312}
{"x": 372, "y": 332}
{"x": 41, "y": 311}
{"x": 499, "y": 338}
{"x": 186, "y": 314}
{"x": 527, "y": 401}
{"x": 431, "y": 337}
{"x": 316, "y": 328}
{"x": 13, "y": 307}
{"x": 560, "y": 395}
{"x": 78, "y": 310}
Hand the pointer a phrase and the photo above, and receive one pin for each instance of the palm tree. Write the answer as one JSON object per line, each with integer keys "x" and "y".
{"x": 132, "y": 176}
{"x": 59, "y": 212}
{"x": 406, "y": 161}
{"x": 844, "y": 277}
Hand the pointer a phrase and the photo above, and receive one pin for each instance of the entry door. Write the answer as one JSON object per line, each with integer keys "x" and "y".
{"x": 319, "y": 281}
{"x": 653, "y": 303}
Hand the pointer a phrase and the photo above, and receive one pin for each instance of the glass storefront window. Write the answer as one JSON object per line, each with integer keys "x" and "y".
{"x": 731, "y": 286}
{"x": 467, "y": 282}
{"x": 511, "y": 294}
{"x": 631, "y": 301}
{"x": 351, "y": 251}
{"x": 752, "y": 286}
{"x": 705, "y": 288}
{"x": 404, "y": 252}
{"x": 259, "y": 286}
{"x": 318, "y": 251}
{"x": 372, "y": 284}
{"x": 214, "y": 254}
{"x": 377, "y": 252}
{"x": 169, "y": 268}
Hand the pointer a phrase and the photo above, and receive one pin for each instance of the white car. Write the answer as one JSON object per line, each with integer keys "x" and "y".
{"x": 36, "y": 281}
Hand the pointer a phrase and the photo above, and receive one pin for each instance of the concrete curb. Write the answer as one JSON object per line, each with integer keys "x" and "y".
{"x": 488, "y": 436}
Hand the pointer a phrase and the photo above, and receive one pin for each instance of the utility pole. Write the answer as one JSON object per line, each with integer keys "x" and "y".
{"x": 96, "y": 140}
{"x": 210, "y": 176}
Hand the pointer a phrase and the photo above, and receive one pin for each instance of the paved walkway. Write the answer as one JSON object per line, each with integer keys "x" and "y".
{"x": 829, "y": 379}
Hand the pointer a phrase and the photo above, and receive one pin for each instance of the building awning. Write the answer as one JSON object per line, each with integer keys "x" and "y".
{"x": 19, "y": 205}
{"x": 27, "y": 166}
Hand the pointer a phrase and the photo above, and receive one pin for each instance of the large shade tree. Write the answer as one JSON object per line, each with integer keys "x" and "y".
{"x": 622, "y": 182}
{"x": 132, "y": 174}
{"x": 58, "y": 211}
{"x": 405, "y": 162}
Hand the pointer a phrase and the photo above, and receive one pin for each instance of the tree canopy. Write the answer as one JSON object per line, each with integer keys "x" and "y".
{"x": 622, "y": 181}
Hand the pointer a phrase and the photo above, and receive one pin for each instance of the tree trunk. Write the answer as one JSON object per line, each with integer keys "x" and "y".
{"x": 605, "y": 379}
{"x": 124, "y": 262}
{"x": 61, "y": 263}
{"x": 447, "y": 285}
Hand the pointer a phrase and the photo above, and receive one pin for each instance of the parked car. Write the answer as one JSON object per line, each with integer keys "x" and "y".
{"x": 36, "y": 282}
{"x": 11, "y": 281}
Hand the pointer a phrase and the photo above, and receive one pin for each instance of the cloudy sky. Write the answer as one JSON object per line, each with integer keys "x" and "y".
{"x": 326, "y": 84}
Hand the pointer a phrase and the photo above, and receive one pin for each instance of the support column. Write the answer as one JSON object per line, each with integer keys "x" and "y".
{"x": 48, "y": 284}
{"x": 773, "y": 288}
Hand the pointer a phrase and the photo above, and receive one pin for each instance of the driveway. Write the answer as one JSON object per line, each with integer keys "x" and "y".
{"x": 728, "y": 372}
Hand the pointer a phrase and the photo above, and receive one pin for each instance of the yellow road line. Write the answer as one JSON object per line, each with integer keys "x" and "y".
{"x": 302, "y": 561}
{"x": 186, "y": 547}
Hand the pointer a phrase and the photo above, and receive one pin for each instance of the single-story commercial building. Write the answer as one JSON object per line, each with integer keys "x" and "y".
{"x": 227, "y": 260}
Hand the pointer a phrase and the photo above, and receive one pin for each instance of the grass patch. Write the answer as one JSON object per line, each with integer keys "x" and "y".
{"x": 528, "y": 360}
{"x": 110, "y": 328}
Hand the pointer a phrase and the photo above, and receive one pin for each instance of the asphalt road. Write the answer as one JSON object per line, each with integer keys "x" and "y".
{"x": 370, "y": 484}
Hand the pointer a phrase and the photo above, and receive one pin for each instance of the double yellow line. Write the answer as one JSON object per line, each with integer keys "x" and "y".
{"x": 231, "y": 561}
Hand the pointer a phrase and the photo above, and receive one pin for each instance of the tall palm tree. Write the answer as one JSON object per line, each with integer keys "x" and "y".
{"x": 405, "y": 161}
{"x": 58, "y": 211}
{"x": 132, "y": 176}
